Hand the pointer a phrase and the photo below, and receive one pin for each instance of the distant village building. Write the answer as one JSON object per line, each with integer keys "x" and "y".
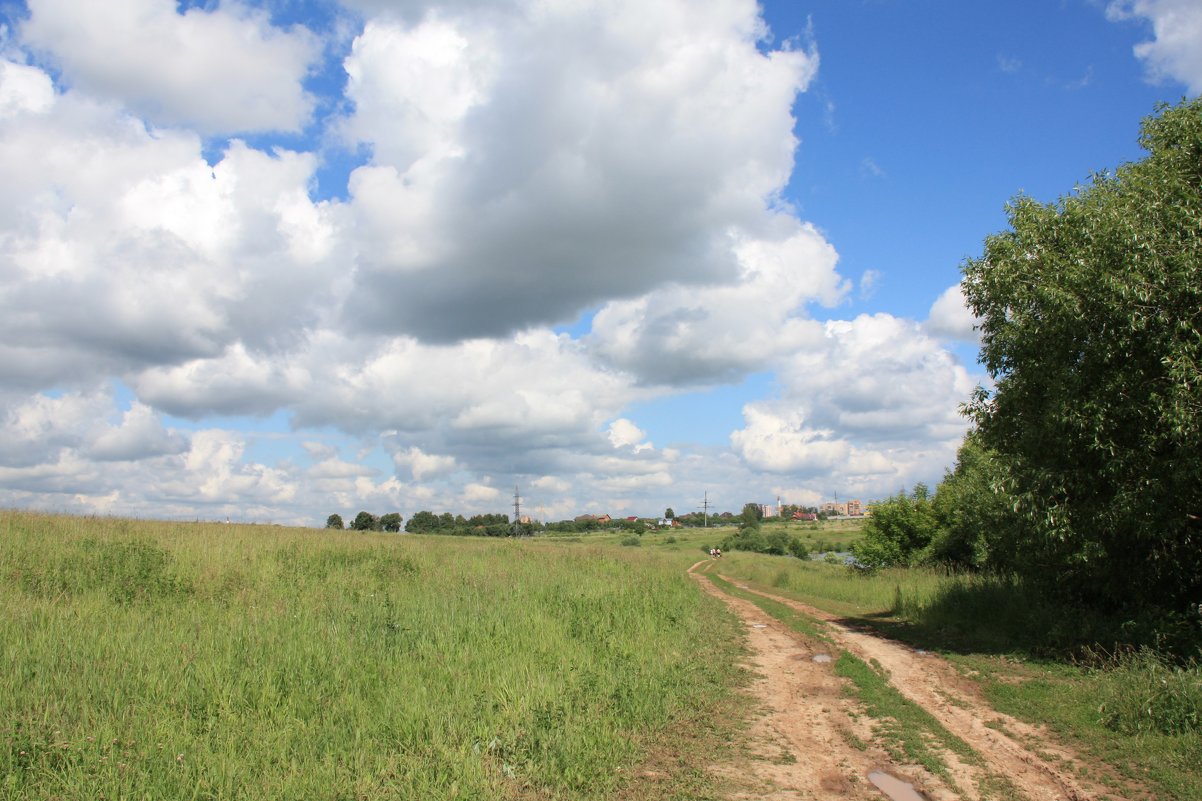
{"x": 849, "y": 509}
{"x": 768, "y": 510}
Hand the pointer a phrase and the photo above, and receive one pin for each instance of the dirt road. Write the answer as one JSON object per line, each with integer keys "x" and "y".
{"x": 814, "y": 741}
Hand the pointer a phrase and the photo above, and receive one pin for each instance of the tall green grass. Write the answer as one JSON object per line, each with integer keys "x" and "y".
{"x": 939, "y": 608}
{"x": 147, "y": 660}
{"x": 834, "y": 586}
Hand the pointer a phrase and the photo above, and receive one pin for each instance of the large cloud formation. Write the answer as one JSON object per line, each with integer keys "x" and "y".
{"x": 169, "y": 272}
{"x": 530, "y": 165}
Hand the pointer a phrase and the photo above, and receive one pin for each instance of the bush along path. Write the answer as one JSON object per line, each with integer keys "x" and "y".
{"x": 848, "y": 714}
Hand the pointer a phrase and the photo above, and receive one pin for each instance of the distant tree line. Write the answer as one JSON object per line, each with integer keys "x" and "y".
{"x": 484, "y": 525}
{"x": 591, "y": 524}
{"x": 426, "y": 522}
{"x": 750, "y": 536}
{"x": 366, "y": 521}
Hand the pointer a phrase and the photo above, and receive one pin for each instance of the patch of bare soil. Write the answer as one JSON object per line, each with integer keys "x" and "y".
{"x": 813, "y": 742}
{"x": 810, "y": 740}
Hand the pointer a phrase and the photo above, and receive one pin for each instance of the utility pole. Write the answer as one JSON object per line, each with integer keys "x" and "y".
{"x": 705, "y": 511}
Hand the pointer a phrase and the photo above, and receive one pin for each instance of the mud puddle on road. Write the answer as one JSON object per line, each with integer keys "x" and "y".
{"x": 895, "y": 788}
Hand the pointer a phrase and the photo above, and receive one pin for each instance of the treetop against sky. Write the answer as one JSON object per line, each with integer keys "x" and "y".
{"x": 272, "y": 261}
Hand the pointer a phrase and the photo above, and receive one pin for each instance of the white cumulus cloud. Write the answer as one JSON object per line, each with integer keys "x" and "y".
{"x": 221, "y": 70}
{"x": 950, "y": 318}
{"x": 1175, "y": 51}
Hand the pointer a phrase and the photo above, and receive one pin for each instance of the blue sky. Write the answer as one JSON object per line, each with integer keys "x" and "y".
{"x": 276, "y": 260}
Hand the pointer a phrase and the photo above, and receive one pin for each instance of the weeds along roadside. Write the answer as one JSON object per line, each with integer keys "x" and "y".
{"x": 1129, "y": 708}
{"x": 178, "y": 660}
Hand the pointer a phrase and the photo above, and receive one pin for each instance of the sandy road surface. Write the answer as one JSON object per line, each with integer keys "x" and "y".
{"x": 804, "y": 738}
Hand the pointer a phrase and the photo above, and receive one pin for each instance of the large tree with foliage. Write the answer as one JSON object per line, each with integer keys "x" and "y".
{"x": 1091, "y": 325}
{"x": 423, "y": 522}
{"x": 977, "y": 527}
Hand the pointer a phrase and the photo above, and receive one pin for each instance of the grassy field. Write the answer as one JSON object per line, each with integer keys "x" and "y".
{"x": 156, "y": 660}
{"x": 1032, "y": 659}
{"x": 160, "y": 660}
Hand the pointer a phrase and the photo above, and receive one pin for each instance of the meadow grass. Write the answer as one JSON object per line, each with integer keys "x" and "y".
{"x": 834, "y": 587}
{"x": 160, "y": 660}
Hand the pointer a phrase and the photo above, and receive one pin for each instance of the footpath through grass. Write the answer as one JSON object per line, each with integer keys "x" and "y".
{"x": 153, "y": 660}
{"x": 1131, "y": 709}
{"x": 903, "y": 727}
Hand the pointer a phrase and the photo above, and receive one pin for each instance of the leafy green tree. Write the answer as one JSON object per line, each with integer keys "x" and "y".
{"x": 752, "y": 514}
{"x": 977, "y": 527}
{"x": 364, "y": 521}
{"x": 1091, "y": 327}
{"x": 669, "y": 514}
{"x": 747, "y": 538}
{"x": 778, "y": 542}
{"x": 335, "y": 521}
{"x": 391, "y": 521}
{"x": 899, "y": 530}
{"x": 423, "y": 522}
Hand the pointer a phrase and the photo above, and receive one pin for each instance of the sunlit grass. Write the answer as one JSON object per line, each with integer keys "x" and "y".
{"x": 835, "y": 587}
{"x": 161, "y": 660}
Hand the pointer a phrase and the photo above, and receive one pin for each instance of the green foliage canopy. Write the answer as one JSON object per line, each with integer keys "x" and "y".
{"x": 1091, "y": 326}
{"x": 899, "y": 531}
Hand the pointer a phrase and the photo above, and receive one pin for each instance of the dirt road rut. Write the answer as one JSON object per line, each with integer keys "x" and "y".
{"x": 813, "y": 740}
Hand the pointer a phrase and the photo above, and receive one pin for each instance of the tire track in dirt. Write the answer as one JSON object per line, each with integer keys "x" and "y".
{"x": 801, "y": 741}
{"x": 1025, "y": 755}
